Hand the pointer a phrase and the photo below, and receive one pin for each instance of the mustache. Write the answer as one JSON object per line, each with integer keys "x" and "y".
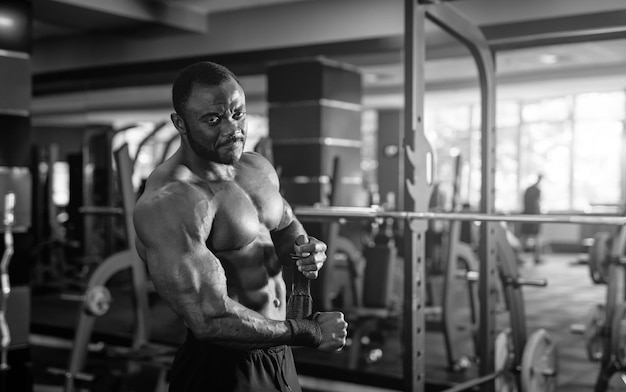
{"x": 232, "y": 139}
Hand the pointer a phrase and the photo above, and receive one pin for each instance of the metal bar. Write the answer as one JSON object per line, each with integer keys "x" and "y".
{"x": 468, "y": 385}
{"x": 472, "y": 37}
{"x": 325, "y": 102}
{"x": 124, "y": 164}
{"x": 557, "y": 38}
{"x": 100, "y": 210}
{"x": 513, "y": 297}
{"x": 356, "y": 213}
{"x": 324, "y": 141}
{"x": 5, "y": 284}
{"x": 416, "y": 195}
{"x": 14, "y": 54}
{"x": 15, "y": 112}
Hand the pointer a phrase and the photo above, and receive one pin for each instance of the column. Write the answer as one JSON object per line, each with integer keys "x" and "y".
{"x": 390, "y": 158}
{"x": 315, "y": 127}
{"x": 15, "y": 144}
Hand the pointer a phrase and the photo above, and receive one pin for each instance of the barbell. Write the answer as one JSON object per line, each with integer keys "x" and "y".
{"x": 356, "y": 213}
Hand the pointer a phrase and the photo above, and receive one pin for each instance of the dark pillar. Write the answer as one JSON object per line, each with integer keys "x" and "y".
{"x": 15, "y": 98}
{"x": 390, "y": 158}
{"x": 315, "y": 127}
{"x": 315, "y": 124}
{"x": 15, "y": 158}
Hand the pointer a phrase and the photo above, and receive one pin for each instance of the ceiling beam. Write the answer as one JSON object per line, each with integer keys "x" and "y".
{"x": 119, "y": 13}
{"x": 558, "y": 30}
{"x": 288, "y": 25}
{"x": 242, "y": 64}
{"x": 368, "y": 37}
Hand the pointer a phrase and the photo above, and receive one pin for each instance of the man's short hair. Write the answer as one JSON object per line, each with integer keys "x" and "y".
{"x": 205, "y": 73}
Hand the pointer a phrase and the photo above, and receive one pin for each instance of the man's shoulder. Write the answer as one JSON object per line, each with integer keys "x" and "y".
{"x": 170, "y": 207}
{"x": 254, "y": 158}
{"x": 169, "y": 190}
{"x": 254, "y": 161}
{"x": 254, "y": 167}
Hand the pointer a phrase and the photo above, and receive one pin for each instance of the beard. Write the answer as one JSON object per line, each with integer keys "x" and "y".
{"x": 225, "y": 152}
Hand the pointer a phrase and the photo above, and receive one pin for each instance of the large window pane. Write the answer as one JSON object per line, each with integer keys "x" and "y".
{"x": 474, "y": 175}
{"x": 448, "y": 118}
{"x": 597, "y": 164}
{"x": 447, "y": 129}
{"x": 507, "y": 162}
{"x": 507, "y": 114}
{"x": 581, "y": 168}
{"x": 600, "y": 106}
{"x": 556, "y": 109}
{"x": 546, "y": 148}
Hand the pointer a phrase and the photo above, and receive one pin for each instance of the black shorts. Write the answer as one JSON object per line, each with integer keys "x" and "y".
{"x": 202, "y": 367}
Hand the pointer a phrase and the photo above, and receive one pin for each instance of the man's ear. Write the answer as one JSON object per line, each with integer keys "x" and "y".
{"x": 178, "y": 122}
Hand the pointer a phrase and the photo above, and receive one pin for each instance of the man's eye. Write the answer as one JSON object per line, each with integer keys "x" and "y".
{"x": 239, "y": 115}
{"x": 213, "y": 120}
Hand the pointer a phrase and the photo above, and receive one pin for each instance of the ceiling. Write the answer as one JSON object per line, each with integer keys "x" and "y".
{"x": 119, "y": 56}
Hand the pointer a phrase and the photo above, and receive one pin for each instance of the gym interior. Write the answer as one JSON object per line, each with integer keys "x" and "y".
{"x": 410, "y": 136}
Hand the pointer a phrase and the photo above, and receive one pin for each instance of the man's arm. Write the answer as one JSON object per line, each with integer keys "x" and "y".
{"x": 173, "y": 227}
{"x": 333, "y": 326}
{"x": 284, "y": 239}
{"x": 284, "y": 236}
{"x": 289, "y": 228}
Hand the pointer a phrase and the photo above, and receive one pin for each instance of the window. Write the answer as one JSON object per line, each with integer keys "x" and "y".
{"x": 575, "y": 141}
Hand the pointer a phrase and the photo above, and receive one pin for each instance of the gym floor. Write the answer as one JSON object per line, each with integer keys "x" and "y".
{"x": 566, "y": 300}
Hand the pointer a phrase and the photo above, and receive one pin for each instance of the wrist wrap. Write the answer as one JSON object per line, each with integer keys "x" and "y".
{"x": 305, "y": 332}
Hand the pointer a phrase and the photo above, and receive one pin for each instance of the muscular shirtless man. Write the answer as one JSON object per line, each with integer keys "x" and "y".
{"x": 215, "y": 233}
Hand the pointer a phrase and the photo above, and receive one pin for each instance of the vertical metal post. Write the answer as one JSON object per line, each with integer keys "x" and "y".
{"x": 448, "y": 19}
{"x": 417, "y": 193}
{"x": 488, "y": 265}
{"x": 623, "y": 161}
{"x": 5, "y": 285}
{"x": 141, "y": 331}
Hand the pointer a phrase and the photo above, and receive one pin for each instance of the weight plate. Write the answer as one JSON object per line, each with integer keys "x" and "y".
{"x": 594, "y": 332}
{"x": 617, "y": 382}
{"x": 599, "y": 253}
{"x": 539, "y": 363}
{"x": 97, "y": 300}
{"x": 618, "y": 334}
{"x": 504, "y": 359}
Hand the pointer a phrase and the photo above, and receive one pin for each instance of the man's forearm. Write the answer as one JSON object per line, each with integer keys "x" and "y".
{"x": 232, "y": 322}
{"x": 305, "y": 333}
{"x": 285, "y": 238}
{"x": 243, "y": 329}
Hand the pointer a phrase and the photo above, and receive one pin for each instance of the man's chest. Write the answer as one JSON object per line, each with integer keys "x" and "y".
{"x": 243, "y": 213}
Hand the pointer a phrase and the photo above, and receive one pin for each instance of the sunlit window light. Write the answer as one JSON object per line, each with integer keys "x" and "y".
{"x": 6, "y": 22}
{"x": 548, "y": 58}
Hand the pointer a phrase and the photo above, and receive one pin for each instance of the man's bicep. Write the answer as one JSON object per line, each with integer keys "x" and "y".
{"x": 285, "y": 234}
{"x": 288, "y": 217}
{"x": 181, "y": 266}
{"x": 191, "y": 281}
{"x": 185, "y": 271}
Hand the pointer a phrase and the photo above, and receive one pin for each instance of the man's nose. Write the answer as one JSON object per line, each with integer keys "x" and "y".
{"x": 231, "y": 128}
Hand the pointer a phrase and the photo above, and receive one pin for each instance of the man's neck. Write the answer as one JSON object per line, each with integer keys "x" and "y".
{"x": 209, "y": 170}
{"x": 218, "y": 172}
